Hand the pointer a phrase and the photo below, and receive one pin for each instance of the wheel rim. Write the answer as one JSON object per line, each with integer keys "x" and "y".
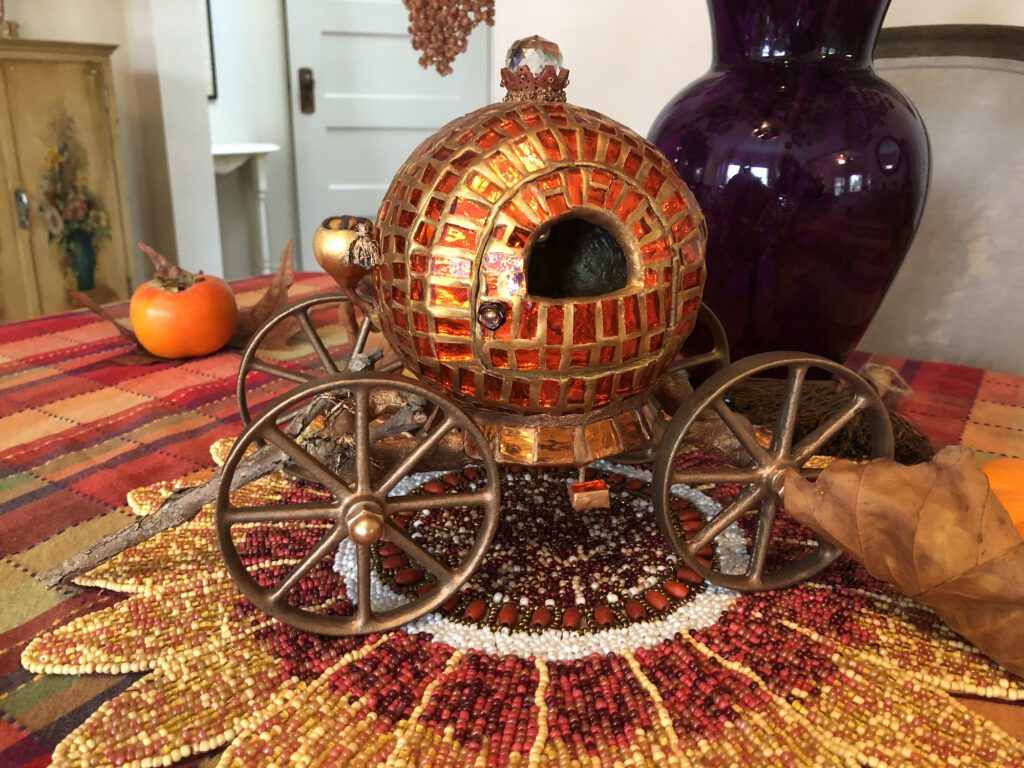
{"x": 763, "y": 475}
{"x": 361, "y": 508}
{"x": 717, "y": 356}
{"x": 251, "y": 362}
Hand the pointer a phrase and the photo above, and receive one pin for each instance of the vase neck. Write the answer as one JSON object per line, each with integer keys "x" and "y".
{"x": 840, "y": 31}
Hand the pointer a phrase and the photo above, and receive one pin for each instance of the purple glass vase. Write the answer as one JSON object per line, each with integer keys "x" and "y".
{"x": 811, "y": 170}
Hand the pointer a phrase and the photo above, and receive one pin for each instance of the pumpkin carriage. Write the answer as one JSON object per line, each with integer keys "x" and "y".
{"x": 536, "y": 268}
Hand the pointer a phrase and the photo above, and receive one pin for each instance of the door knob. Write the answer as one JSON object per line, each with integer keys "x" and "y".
{"x": 307, "y": 99}
{"x": 21, "y": 207}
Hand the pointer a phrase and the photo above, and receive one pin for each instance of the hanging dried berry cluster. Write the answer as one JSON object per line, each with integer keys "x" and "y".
{"x": 440, "y": 29}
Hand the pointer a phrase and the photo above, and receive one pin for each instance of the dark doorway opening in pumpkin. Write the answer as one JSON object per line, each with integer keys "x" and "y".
{"x": 575, "y": 257}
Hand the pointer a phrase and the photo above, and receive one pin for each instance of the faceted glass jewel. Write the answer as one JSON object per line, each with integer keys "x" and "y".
{"x": 535, "y": 53}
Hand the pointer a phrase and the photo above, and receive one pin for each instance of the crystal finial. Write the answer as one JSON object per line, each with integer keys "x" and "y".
{"x": 534, "y": 53}
{"x": 533, "y": 71}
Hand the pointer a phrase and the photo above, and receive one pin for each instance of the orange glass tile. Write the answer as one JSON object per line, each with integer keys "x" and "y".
{"x": 449, "y": 295}
{"x": 651, "y": 300}
{"x": 484, "y": 187}
{"x": 504, "y": 333}
{"x": 510, "y": 126}
{"x": 577, "y": 391}
{"x": 442, "y": 154}
{"x": 491, "y": 285}
{"x": 596, "y": 196}
{"x": 520, "y": 394}
{"x": 689, "y": 254}
{"x": 446, "y": 376}
{"x": 465, "y": 137}
{"x": 519, "y": 238}
{"x": 673, "y": 205}
{"x": 557, "y": 114}
{"x": 630, "y": 347}
{"x": 447, "y": 182}
{"x": 641, "y": 228}
{"x": 450, "y": 266}
{"x": 607, "y": 354}
{"x": 458, "y": 237}
{"x": 690, "y": 305}
{"x": 667, "y": 275}
{"x": 550, "y": 393}
{"x": 553, "y": 359}
{"x": 492, "y": 387}
{"x": 427, "y": 372}
{"x": 518, "y": 445}
{"x": 601, "y": 177}
{"x": 614, "y": 190}
{"x": 550, "y": 144}
{"x": 453, "y": 353}
{"x": 588, "y": 485}
{"x": 499, "y": 358}
{"x": 632, "y": 163}
{"x": 682, "y": 228}
{"x": 653, "y": 182}
{"x": 650, "y": 277}
{"x": 385, "y": 208}
{"x": 424, "y": 348}
{"x": 518, "y": 215}
{"x": 603, "y": 391}
{"x": 466, "y": 159}
{"x": 434, "y": 208}
{"x": 574, "y": 184}
{"x": 556, "y": 324}
{"x": 396, "y": 211}
{"x": 418, "y": 261}
{"x": 528, "y": 320}
{"x": 625, "y": 386}
{"x": 584, "y": 324}
{"x": 452, "y": 326}
{"x": 488, "y": 139}
{"x": 528, "y": 154}
{"x": 691, "y": 279}
{"x": 555, "y": 445}
{"x": 610, "y": 317}
{"x": 631, "y": 313}
{"x": 467, "y": 382}
{"x": 550, "y": 182}
{"x": 656, "y": 251}
{"x": 579, "y": 358}
{"x": 471, "y": 209}
{"x": 531, "y": 116}
{"x": 589, "y": 144}
{"x": 400, "y": 190}
{"x": 656, "y": 341}
{"x": 419, "y": 321}
{"x": 527, "y": 359}
{"x": 399, "y": 244}
{"x": 571, "y": 139}
{"x": 429, "y": 173}
{"x": 506, "y": 171}
{"x": 666, "y": 302}
{"x": 415, "y": 195}
{"x": 416, "y": 290}
{"x": 425, "y": 233}
{"x": 557, "y": 204}
{"x": 405, "y": 218}
{"x": 397, "y": 295}
{"x": 400, "y": 319}
{"x": 630, "y": 202}
{"x": 398, "y": 270}
{"x": 611, "y": 154}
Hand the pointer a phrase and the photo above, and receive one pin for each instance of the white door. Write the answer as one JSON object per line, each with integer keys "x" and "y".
{"x": 373, "y": 103}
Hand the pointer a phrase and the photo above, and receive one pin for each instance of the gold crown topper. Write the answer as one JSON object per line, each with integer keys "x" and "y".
{"x": 533, "y": 71}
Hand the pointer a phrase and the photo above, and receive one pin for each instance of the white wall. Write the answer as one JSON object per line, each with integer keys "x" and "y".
{"x": 160, "y": 91}
{"x": 252, "y": 107}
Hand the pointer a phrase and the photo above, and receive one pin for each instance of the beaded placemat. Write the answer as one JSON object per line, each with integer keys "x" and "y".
{"x": 580, "y": 641}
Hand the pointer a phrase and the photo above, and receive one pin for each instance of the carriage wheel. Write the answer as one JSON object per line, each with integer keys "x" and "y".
{"x": 760, "y": 475}
{"x": 362, "y": 507}
{"x": 300, "y": 313}
{"x": 715, "y": 358}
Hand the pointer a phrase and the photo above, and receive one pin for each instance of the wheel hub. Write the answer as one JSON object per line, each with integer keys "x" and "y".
{"x": 365, "y": 521}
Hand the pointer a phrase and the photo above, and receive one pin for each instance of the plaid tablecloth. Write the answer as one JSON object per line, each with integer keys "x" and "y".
{"x": 77, "y": 432}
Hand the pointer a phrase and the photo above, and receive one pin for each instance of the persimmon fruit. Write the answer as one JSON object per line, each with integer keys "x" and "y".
{"x": 1006, "y": 478}
{"x": 183, "y": 315}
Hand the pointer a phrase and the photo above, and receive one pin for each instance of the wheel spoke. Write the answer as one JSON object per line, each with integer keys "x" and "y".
{"x": 741, "y": 429}
{"x": 304, "y": 566}
{"x": 714, "y": 476}
{"x": 400, "y": 538}
{"x": 763, "y": 537}
{"x": 435, "y": 501}
{"x": 363, "y": 605}
{"x": 364, "y": 333}
{"x": 812, "y": 443}
{"x": 739, "y": 507}
{"x": 318, "y": 344}
{"x": 407, "y": 464}
{"x": 361, "y": 395}
{"x": 288, "y": 374}
{"x": 782, "y": 440}
{"x": 316, "y": 471}
{"x": 692, "y": 361}
{"x": 278, "y": 513}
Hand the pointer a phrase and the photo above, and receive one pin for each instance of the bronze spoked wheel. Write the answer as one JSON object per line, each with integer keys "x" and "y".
{"x": 760, "y": 472}
{"x": 717, "y": 357}
{"x": 368, "y": 455}
{"x": 326, "y": 363}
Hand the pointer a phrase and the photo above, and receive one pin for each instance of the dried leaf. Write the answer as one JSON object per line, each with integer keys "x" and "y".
{"x": 165, "y": 268}
{"x": 95, "y": 308}
{"x": 271, "y": 302}
{"x": 936, "y": 532}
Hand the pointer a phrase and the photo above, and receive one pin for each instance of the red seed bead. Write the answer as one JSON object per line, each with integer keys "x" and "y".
{"x": 434, "y": 486}
{"x": 394, "y": 562}
{"x": 687, "y": 575}
{"x": 507, "y": 616}
{"x": 408, "y": 577}
{"x": 656, "y": 600}
{"x": 451, "y": 603}
{"x": 677, "y": 590}
{"x": 451, "y": 479}
{"x": 426, "y": 588}
{"x": 603, "y": 616}
{"x": 475, "y": 610}
{"x": 387, "y": 549}
{"x": 541, "y": 618}
{"x": 469, "y": 473}
{"x": 571, "y": 618}
{"x": 635, "y": 610}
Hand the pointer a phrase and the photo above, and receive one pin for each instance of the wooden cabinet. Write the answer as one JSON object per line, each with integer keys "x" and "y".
{"x": 63, "y": 215}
